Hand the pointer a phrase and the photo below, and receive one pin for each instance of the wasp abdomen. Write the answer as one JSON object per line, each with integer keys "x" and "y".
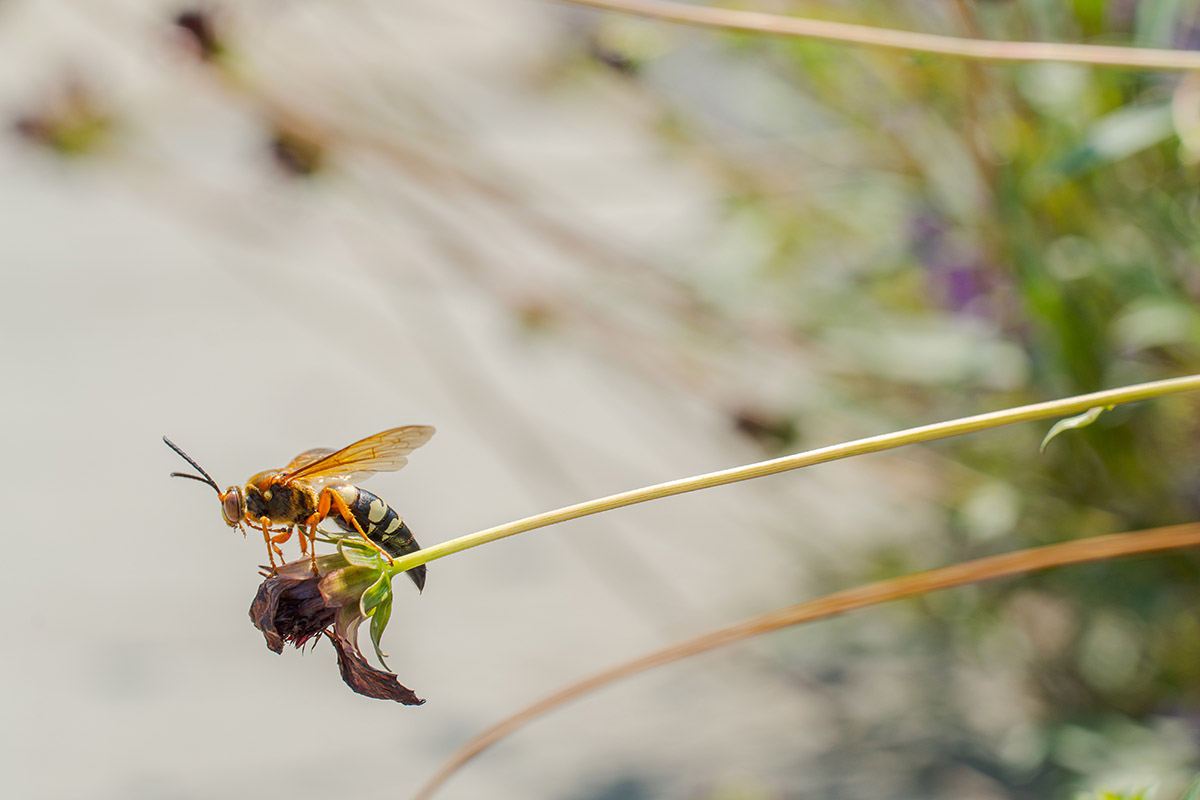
{"x": 382, "y": 525}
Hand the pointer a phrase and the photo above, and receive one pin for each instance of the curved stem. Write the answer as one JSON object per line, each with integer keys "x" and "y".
{"x": 872, "y": 444}
{"x": 1023, "y": 561}
{"x": 959, "y": 47}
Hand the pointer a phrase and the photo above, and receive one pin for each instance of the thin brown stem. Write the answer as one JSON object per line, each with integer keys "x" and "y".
{"x": 1098, "y": 548}
{"x": 912, "y": 41}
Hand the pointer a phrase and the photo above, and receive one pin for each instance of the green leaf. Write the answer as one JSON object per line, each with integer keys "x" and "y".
{"x": 375, "y": 594}
{"x": 358, "y": 554}
{"x": 1073, "y": 423}
{"x": 1118, "y": 135}
{"x": 379, "y": 621}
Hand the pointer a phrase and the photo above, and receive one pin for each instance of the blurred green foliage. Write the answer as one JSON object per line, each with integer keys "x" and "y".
{"x": 1140, "y": 795}
{"x": 941, "y": 238}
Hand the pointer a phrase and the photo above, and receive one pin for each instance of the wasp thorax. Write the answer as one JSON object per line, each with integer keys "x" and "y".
{"x": 231, "y": 506}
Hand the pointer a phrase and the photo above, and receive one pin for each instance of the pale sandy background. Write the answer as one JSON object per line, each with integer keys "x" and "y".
{"x": 176, "y": 283}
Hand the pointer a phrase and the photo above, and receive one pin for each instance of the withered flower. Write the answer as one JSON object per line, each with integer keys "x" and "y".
{"x": 294, "y": 605}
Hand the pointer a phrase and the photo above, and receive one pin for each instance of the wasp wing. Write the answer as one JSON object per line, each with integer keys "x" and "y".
{"x": 311, "y": 456}
{"x": 308, "y": 457}
{"x": 383, "y": 452}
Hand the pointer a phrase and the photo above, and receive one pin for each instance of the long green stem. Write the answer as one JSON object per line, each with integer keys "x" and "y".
{"x": 1097, "y": 548}
{"x": 871, "y": 444}
{"x": 846, "y": 33}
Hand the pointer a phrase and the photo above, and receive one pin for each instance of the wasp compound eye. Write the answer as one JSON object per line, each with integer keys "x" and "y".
{"x": 231, "y": 505}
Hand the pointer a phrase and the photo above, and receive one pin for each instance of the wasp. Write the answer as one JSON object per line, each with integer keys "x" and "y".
{"x": 320, "y": 484}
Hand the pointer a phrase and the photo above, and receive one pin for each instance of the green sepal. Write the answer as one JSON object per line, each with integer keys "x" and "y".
{"x": 379, "y": 621}
{"x": 358, "y": 554}
{"x": 375, "y": 594}
{"x": 343, "y": 585}
{"x": 1073, "y": 423}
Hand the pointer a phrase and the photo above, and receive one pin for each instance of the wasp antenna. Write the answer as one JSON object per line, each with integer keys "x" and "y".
{"x": 206, "y": 479}
{"x": 193, "y": 477}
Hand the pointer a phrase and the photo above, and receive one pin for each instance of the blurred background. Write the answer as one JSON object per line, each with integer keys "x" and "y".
{"x": 596, "y": 252}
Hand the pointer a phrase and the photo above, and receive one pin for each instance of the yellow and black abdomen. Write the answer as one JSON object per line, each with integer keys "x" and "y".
{"x": 381, "y": 524}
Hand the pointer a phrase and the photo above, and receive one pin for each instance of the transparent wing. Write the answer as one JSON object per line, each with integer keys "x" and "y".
{"x": 307, "y": 457}
{"x": 383, "y": 452}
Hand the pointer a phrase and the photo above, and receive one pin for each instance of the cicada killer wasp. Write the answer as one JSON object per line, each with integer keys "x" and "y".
{"x": 320, "y": 484}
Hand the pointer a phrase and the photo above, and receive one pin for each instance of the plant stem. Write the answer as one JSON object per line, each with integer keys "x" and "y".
{"x": 846, "y": 33}
{"x": 872, "y": 444}
{"x": 1096, "y": 548}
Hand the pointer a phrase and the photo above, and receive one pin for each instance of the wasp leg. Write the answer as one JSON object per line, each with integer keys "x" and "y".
{"x": 330, "y": 497}
{"x": 310, "y": 539}
{"x": 272, "y": 548}
{"x": 283, "y": 534}
{"x": 308, "y": 547}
